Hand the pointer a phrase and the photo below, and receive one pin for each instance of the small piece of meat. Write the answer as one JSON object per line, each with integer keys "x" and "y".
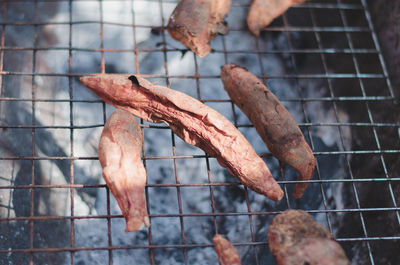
{"x": 196, "y": 22}
{"x": 227, "y": 253}
{"x": 119, "y": 155}
{"x": 272, "y": 120}
{"x": 295, "y": 239}
{"x": 263, "y": 12}
{"x": 194, "y": 122}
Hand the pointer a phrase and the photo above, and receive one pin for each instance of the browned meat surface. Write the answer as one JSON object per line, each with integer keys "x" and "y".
{"x": 227, "y": 253}
{"x": 196, "y": 22}
{"x": 119, "y": 154}
{"x": 263, "y": 12}
{"x": 296, "y": 239}
{"x": 194, "y": 122}
{"x": 272, "y": 121}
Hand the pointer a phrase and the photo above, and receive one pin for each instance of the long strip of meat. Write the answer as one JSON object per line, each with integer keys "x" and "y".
{"x": 295, "y": 238}
{"x": 227, "y": 254}
{"x": 196, "y": 22}
{"x": 123, "y": 170}
{"x": 272, "y": 121}
{"x": 263, "y": 12}
{"x": 196, "y": 123}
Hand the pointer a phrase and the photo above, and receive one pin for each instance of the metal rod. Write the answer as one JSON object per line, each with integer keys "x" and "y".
{"x": 234, "y": 4}
{"x": 48, "y": 218}
{"x": 366, "y": 98}
{"x": 177, "y": 246}
{"x": 287, "y": 76}
{"x": 213, "y": 184}
{"x": 71, "y": 136}
{"x": 233, "y": 51}
{"x": 33, "y": 94}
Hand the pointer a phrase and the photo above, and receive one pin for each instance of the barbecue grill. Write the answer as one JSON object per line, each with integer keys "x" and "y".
{"x": 323, "y": 61}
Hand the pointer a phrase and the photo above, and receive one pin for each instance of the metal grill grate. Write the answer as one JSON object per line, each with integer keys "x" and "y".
{"x": 288, "y": 29}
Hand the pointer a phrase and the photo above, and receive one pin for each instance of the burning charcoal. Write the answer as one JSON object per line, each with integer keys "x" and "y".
{"x": 196, "y": 22}
{"x": 295, "y": 238}
{"x": 196, "y": 123}
{"x": 123, "y": 170}
{"x": 272, "y": 121}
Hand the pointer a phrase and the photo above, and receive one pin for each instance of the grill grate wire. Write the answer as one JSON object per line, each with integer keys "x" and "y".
{"x": 313, "y": 8}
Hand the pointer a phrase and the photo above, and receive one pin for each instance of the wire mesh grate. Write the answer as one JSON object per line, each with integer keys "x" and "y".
{"x": 53, "y": 202}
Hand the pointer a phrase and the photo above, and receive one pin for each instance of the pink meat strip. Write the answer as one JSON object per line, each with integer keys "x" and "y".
{"x": 196, "y": 123}
{"x": 119, "y": 154}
